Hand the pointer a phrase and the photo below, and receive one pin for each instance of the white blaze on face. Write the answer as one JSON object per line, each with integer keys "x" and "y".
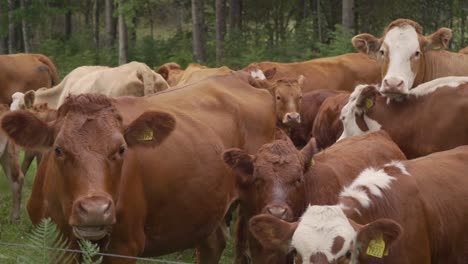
{"x": 258, "y": 74}
{"x": 400, "y": 44}
{"x": 317, "y": 230}
{"x": 18, "y": 101}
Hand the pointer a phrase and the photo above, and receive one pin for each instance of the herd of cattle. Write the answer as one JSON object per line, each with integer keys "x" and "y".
{"x": 147, "y": 162}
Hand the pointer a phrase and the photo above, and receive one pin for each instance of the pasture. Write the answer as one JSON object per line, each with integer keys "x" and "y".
{"x": 15, "y": 232}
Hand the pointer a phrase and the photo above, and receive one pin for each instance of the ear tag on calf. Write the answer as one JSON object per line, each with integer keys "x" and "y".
{"x": 369, "y": 103}
{"x": 376, "y": 247}
{"x": 147, "y": 135}
{"x": 312, "y": 162}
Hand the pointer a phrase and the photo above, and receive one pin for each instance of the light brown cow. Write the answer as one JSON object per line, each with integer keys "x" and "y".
{"x": 408, "y": 58}
{"x": 342, "y": 72}
{"x": 23, "y": 72}
{"x": 437, "y": 124}
{"x": 171, "y": 72}
{"x": 195, "y": 72}
{"x": 464, "y": 50}
{"x": 404, "y": 212}
{"x": 272, "y": 181}
{"x": 142, "y": 175}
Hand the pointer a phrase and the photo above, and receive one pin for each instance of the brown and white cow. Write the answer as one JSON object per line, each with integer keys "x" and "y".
{"x": 142, "y": 175}
{"x": 23, "y": 72}
{"x": 408, "y": 58}
{"x": 273, "y": 180}
{"x": 342, "y": 72}
{"x": 403, "y": 212}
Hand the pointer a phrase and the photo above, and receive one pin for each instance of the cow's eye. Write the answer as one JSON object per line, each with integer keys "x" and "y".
{"x": 417, "y": 53}
{"x": 382, "y": 52}
{"x": 348, "y": 254}
{"x": 58, "y": 151}
{"x": 300, "y": 97}
{"x": 299, "y": 182}
{"x": 278, "y": 98}
{"x": 122, "y": 150}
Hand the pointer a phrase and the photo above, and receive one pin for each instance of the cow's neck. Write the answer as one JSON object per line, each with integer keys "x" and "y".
{"x": 443, "y": 63}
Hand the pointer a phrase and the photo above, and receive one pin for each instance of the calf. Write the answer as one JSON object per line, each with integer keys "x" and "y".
{"x": 404, "y": 212}
{"x": 342, "y": 72}
{"x": 408, "y": 58}
{"x": 273, "y": 181}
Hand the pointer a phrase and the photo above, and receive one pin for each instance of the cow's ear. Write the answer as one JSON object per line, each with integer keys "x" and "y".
{"x": 367, "y": 44}
{"x": 270, "y": 73}
{"x": 307, "y": 153}
{"x": 150, "y": 129}
{"x": 377, "y": 237}
{"x": 240, "y": 162}
{"x": 272, "y": 232}
{"x": 28, "y": 131}
{"x": 29, "y": 98}
{"x": 438, "y": 40}
{"x": 163, "y": 71}
{"x": 366, "y": 98}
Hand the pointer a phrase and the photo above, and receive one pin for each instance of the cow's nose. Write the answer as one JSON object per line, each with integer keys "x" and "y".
{"x": 393, "y": 85}
{"x": 95, "y": 211}
{"x": 292, "y": 117}
{"x": 277, "y": 211}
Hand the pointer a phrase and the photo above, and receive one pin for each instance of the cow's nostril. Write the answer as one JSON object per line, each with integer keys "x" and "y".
{"x": 276, "y": 211}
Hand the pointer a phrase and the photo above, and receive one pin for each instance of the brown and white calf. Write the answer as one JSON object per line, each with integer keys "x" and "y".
{"x": 403, "y": 212}
{"x": 408, "y": 58}
{"x": 273, "y": 181}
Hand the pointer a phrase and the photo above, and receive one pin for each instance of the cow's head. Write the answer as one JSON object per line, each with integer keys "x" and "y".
{"x": 324, "y": 235}
{"x": 171, "y": 72}
{"x": 86, "y": 146}
{"x": 272, "y": 180}
{"x": 401, "y": 53}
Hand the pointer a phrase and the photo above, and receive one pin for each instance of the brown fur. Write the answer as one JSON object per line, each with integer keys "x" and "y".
{"x": 342, "y": 72}
{"x": 171, "y": 72}
{"x": 23, "y": 72}
{"x": 464, "y": 50}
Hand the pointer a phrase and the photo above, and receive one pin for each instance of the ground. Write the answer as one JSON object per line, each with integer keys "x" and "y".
{"x": 15, "y": 233}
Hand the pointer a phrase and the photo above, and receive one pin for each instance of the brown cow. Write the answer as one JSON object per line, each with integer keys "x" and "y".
{"x": 406, "y": 212}
{"x": 24, "y": 72}
{"x": 310, "y": 105}
{"x": 272, "y": 181}
{"x": 195, "y": 72}
{"x": 342, "y": 72}
{"x": 171, "y": 72}
{"x": 437, "y": 125}
{"x": 143, "y": 174}
{"x": 464, "y": 50}
{"x": 408, "y": 58}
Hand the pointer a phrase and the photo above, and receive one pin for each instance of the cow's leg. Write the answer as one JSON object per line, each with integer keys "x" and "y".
{"x": 11, "y": 167}
{"x": 242, "y": 255}
{"x": 28, "y": 159}
{"x": 210, "y": 250}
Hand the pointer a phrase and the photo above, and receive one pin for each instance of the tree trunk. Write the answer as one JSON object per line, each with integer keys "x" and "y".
{"x": 180, "y": 15}
{"x": 25, "y": 27}
{"x": 198, "y": 31}
{"x": 301, "y": 12}
{"x": 3, "y": 42}
{"x": 96, "y": 23}
{"x": 348, "y": 14}
{"x": 11, "y": 28}
{"x": 220, "y": 29}
{"x": 111, "y": 31}
{"x": 235, "y": 15}
{"x": 68, "y": 21}
{"x": 123, "y": 40}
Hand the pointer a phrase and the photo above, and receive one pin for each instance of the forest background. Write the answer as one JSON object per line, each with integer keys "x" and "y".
{"x": 211, "y": 32}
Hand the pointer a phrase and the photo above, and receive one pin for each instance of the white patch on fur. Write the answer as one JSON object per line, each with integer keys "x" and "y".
{"x": 349, "y": 113}
{"x": 432, "y": 86}
{"x": 258, "y": 74}
{"x": 402, "y": 43}
{"x": 399, "y": 165}
{"x": 371, "y": 179}
{"x": 18, "y": 101}
{"x": 317, "y": 229}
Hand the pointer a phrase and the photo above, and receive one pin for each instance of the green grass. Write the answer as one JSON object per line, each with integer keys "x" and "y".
{"x": 15, "y": 232}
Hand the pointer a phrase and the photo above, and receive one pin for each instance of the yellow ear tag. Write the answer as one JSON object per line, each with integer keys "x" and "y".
{"x": 312, "y": 162}
{"x": 147, "y": 135}
{"x": 376, "y": 247}
{"x": 369, "y": 103}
